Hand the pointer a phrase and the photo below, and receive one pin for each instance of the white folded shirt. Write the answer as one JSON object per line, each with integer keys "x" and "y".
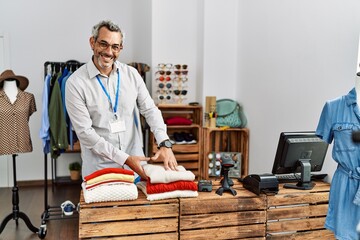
{"x": 158, "y": 174}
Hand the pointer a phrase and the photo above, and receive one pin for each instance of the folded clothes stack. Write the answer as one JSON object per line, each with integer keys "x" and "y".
{"x": 165, "y": 184}
{"x": 109, "y": 184}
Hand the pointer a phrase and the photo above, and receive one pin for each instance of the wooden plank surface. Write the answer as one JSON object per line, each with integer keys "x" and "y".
{"x": 88, "y": 215}
{"x": 123, "y": 228}
{"x": 312, "y": 235}
{"x": 296, "y": 225}
{"x": 221, "y": 219}
{"x": 297, "y": 198}
{"x": 199, "y": 205}
{"x": 297, "y": 212}
{"x": 156, "y": 236}
{"x": 237, "y": 232}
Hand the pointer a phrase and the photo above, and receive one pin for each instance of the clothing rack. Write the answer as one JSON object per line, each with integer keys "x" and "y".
{"x": 54, "y": 212}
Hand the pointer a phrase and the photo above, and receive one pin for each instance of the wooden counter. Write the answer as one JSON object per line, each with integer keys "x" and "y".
{"x": 290, "y": 214}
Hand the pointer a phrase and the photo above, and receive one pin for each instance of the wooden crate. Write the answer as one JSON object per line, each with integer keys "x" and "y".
{"x": 137, "y": 219}
{"x": 211, "y": 216}
{"x": 298, "y": 214}
{"x": 225, "y": 140}
{"x": 187, "y": 155}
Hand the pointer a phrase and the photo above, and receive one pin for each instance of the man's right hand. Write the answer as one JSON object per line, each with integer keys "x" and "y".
{"x": 134, "y": 163}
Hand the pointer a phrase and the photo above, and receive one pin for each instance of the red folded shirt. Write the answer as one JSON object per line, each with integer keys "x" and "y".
{"x": 178, "y": 121}
{"x": 168, "y": 187}
{"x": 108, "y": 170}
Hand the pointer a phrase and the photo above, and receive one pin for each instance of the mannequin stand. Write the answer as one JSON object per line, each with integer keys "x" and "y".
{"x": 16, "y": 214}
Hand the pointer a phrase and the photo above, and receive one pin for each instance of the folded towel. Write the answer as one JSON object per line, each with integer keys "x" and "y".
{"x": 166, "y": 195}
{"x": 111, "y": 176}
{"x": 158, "y": 174}
{"x": 110, "y": 192}
{"x": 168, "y": 187}
{"x": 108, "y": 170}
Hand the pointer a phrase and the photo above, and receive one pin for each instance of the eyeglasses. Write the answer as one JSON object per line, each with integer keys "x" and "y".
{"x": 178, "y": 92}
{"x": 181, "y": 72}
{"x": 179, "y": 66}
{"x": 168, "y": 85}
{"x": 165, "y": 65}
{"x": 104, "y": 45}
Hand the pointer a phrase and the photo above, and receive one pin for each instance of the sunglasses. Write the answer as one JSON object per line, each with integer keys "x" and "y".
{"x": 163, "y": 91}
{"x": 162, "y": 85}
{"x": 162, "y": 72}
{"x": 162, "y": 78}
{"x": 183, "y": 79}
{"x": 164, "y": 97}
{"x": 179, "y": 66}
{"x": 181, "y": 72}
{"x": 165, "y": 65}
{"x": 178, "y": 92}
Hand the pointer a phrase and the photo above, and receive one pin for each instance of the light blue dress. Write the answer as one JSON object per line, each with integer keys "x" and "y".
{"x": 339, "y": 118}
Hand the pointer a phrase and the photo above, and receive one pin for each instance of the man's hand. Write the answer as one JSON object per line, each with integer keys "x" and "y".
{"x": 134, "y": 163}
{"x": 166, "y": 155}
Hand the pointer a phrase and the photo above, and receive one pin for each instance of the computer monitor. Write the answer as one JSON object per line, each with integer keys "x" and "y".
{"x": 300, "y": 152}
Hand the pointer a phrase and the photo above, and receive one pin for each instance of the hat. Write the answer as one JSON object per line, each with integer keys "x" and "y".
{"x": 23, "y": 82}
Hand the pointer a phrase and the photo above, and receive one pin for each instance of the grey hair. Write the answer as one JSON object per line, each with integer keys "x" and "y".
{"x": 113, "y": 27}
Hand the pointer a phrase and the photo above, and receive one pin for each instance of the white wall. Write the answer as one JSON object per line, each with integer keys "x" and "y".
{"x": 281, "y": 59}
{"x": 41, "y": 31}
{"x": 294, "y": 55}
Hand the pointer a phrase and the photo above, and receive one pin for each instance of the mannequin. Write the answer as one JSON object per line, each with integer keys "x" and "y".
{"x": 11, "y": 90}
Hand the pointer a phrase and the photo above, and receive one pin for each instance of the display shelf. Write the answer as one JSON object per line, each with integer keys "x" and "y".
{"x": 217, "y": 140}
{"x": 187, "y": 155}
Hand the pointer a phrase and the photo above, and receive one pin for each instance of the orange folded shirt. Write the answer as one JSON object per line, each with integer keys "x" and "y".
{"x": 108, "y": 170}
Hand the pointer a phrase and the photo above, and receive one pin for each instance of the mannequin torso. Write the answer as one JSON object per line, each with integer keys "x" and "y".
{"x": 11, "y": 90}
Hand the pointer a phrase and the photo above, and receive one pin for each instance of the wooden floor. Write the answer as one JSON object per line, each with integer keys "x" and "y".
{"x": 32, "y": 203}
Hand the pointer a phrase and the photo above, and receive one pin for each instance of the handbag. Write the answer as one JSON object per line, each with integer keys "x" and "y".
{"x": 229, "y": 113}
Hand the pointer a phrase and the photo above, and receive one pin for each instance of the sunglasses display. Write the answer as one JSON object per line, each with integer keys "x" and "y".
{"x": 179, "y": 66}
{"x": 167, "y": 85}
{"x": 182, "y": 79}
{"x": 164, "y": 97}
{"x": 182, "y": 92}
{"x": 162, "y": 78}
{"x": 161, "y": 72}
{"x": 181, "y": 72}
{"x": 165, "y": 65}
{"x": 171, "y": 87}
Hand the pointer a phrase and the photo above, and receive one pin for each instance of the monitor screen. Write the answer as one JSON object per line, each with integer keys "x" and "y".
{"x": 299, "y": 152}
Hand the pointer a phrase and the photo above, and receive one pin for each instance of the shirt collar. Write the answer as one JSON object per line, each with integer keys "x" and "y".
{"x": 3, "y": 94}
{"x": 351, "y": 97}
{"x": 93, "y": 71}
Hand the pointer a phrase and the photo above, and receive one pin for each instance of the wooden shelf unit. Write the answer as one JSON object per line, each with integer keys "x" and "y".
{"x": 226, "y": 140}
{"x": 187, "y": 155}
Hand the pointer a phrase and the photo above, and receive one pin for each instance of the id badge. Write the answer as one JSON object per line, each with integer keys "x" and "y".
{"x": 117, "y": 125}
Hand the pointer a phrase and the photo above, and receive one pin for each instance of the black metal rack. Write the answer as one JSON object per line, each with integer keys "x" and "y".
{"x": 53, "y": 212}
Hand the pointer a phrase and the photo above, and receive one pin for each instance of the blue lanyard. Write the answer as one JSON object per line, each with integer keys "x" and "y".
{"x": 107, "y": 94}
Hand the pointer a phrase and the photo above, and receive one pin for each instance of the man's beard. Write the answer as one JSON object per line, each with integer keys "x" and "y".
{"x": 105, "y": 64}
